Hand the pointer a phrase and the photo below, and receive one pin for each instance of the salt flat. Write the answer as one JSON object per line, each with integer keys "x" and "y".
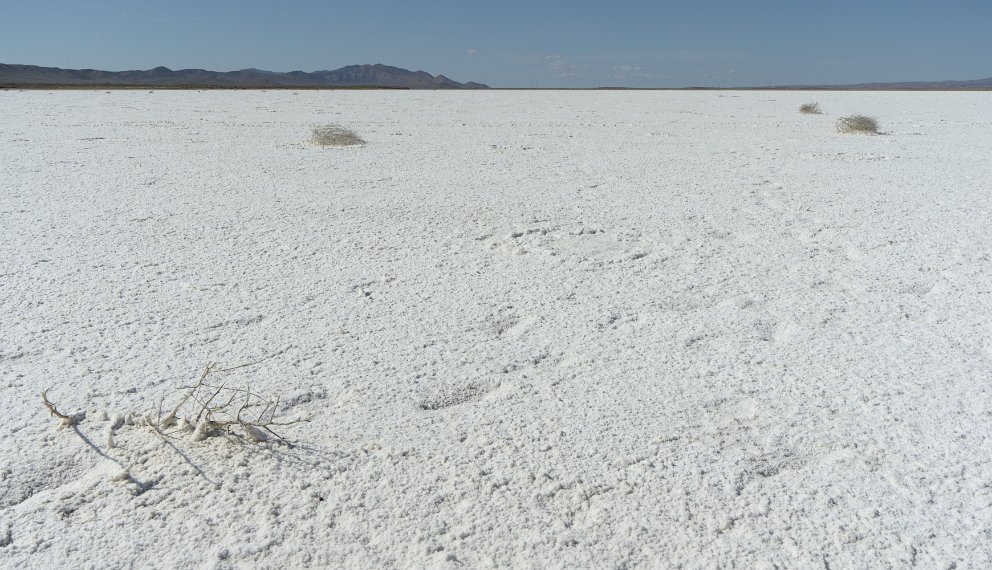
{"x": 529, "y": 329}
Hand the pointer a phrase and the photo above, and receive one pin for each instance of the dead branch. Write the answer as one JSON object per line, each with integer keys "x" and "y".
{"x": 218, "y": 408}
{"x": 65, "y": 421}
{"x": 206, "y": 409}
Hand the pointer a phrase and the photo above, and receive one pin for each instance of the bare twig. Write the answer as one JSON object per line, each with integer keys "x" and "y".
{"x": 65, "y": 421}
{"x": 51, "y": 407}
{"x": 220, "y": 408}
{"x": 170, "y": 419}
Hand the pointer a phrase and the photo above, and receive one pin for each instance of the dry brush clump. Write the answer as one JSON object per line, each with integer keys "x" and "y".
{"x": 334, "y": 135}
{"x": 810, "y": 109}
{"x": 858, "y": 124}
{"x": 206, "y": 409}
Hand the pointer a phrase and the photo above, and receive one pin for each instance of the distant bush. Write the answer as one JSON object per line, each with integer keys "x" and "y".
{"x": 334, "y": 135}
{"x": 810, "y": 109}
{"x": 857, "y": 124}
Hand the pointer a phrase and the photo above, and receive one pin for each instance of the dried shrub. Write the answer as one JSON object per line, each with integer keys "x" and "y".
{"x": 857, "y": 124}
{"x": 206, "y": 409}
{"x": 334, "y": 135}
{"x": 810, "y": 109}
{"x": 213, "y": 409}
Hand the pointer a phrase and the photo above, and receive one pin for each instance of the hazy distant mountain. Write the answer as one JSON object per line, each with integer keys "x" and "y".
{"x": 969, "y": 84}
{"x": 351, "y": 76}
{"x": 978, "y": 84}
{"x": 389, "y": 76}
{"x": 377, "y": 75}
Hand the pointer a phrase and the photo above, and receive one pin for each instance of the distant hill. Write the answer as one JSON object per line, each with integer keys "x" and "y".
{"x": 377, "y": 75}
{"x": 972, "y": 84}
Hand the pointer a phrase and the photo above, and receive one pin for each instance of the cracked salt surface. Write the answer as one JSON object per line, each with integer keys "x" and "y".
{"x": 531, "y": 329}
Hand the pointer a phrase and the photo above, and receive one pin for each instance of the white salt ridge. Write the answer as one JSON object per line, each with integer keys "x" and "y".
{"x": 531, "y": 329}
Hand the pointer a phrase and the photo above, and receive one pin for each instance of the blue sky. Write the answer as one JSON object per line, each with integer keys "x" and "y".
{"x": 514, "y": 43}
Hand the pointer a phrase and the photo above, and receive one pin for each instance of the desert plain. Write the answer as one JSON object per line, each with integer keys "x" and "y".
{"x": 525, "y": 329}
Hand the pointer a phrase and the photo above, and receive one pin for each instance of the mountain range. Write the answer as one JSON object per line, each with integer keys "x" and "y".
{"x": 352, "y": 76}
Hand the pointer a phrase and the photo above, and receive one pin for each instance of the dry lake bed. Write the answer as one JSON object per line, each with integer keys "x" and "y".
{"x": 528, "y": 329}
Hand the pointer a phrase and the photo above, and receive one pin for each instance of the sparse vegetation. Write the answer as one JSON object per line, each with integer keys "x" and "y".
{"x": 206, "y": 409}
{"x": 857, "y": 124}
{"x": 334, "y": 135}
{"x": 810, "y": 109}
{"x": 212, "y": 409}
